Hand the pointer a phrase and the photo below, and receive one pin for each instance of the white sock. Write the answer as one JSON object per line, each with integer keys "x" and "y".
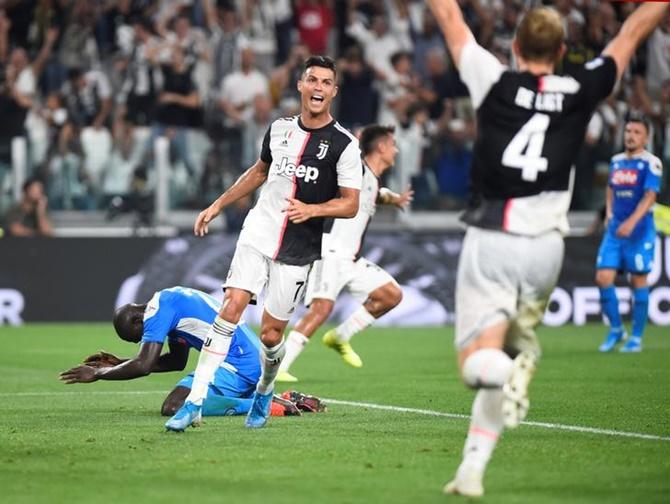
{"x": 486, "y": 425}
{"x": 212, "y": 354}
{"x": 270, "y": 361}
{"x": 487, "y": 368}
{"x": 356, "y": 322}
{"x": 295, "y": 344}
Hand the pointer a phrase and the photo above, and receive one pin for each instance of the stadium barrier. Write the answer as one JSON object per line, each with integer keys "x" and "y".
{"x": 83, "y": 279}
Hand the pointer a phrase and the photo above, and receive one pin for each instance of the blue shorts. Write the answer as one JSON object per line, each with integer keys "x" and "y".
{"x": 226, "y": 383}
{"x": 632, "y": 255}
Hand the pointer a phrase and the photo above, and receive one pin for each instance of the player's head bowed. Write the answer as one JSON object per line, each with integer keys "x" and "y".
{"x": 129, "y": 322}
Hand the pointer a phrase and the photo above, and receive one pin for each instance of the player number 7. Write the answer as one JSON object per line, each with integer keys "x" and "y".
{"x": 297, "y": 291}
{"x": 525, "y": 150}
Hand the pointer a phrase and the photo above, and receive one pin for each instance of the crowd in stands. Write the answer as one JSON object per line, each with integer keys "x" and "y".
{"x": 91, "y": 84}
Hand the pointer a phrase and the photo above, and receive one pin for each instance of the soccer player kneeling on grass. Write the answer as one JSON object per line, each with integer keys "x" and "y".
{"x": 531, "y": 124}
{"x": 630, "y": 234}
{"x": 342, "y": 267}
{"x": 181, "y": 317}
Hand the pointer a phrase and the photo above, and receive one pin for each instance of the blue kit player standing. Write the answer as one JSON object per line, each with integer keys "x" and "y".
{"x": 630, "y": 235}
{"x": 180, "y": 317}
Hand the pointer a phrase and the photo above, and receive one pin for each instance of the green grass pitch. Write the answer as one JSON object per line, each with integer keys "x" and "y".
{"x": 105, "y": 442}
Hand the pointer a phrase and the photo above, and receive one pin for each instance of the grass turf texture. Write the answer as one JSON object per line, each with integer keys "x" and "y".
{"x": 103, "y": 441}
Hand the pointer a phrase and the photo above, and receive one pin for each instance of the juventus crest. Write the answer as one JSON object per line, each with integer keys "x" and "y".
{"x": 323, "y": 149}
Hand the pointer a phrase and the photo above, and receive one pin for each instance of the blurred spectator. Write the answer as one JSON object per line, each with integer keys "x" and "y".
{"x": 259, "y": 21}
{"x": 380, "y": 41}
{"x": 453, "y": 167}
{"x": 441, "y": 84}
{"x": 426, "y": 41}
{"x": 227, "y": 40}
{"x": 177, "y": 108}
{"x": 357, "y": 96}
{"x": 398, "y": 90}
{"x": 29, "y": 216}
{"x": 314, "y": 19}
{"x": 238, "y": 91}
{"x": 139, "y": 89}
{"x": 284, "y": 79}
{"x": 254, "y": 129}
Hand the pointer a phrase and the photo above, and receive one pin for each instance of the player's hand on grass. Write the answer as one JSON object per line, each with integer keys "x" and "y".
{"x": 79, "y": 374}
{"x": 404, "y": 199}
{"x": 625, "y": 229}
{"x": 102, "y": 359}
{"x": 201, "y": 227}
{"x": 298, "y": 211}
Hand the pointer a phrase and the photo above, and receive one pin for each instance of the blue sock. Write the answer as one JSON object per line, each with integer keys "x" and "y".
{"x": 640, "y": 310}
{"x": 610, "y": 305}
{"x": 215, "y": 405}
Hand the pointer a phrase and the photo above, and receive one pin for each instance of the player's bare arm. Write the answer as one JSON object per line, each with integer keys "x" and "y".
{"x": 634, "y": 30}
{"x": 626, "y": 228}
{"x": 146, "y": 362}
{"x": 344, "y": 207}
{"x": 608, "y": 205}
{"x": 450, "y": 19}
{"x": 246, "y": 184}
{"x": 401, "y": 201}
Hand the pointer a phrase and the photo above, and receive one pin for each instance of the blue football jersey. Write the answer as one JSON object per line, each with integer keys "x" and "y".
{"x": 630, "y": 178}
{"x": 180, "y": 314}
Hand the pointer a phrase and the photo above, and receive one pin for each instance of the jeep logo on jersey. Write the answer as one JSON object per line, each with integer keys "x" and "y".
{"x": 625, "y": 177}
{"x": 309, "y": 173}
{"x": 323, "y": 149}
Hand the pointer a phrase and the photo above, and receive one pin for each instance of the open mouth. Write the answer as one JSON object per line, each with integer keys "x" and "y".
{"x": 316, "y": 99}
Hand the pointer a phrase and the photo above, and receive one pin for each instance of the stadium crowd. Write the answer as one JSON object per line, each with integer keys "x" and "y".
{"x": 91, "y": 84}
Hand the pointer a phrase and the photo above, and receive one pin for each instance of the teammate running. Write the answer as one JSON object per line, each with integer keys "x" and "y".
{"x": 531, "y": 125}
{"x": 630, "y": 235}
{"x": 181, "y": 317}
{"x": 304, "y": 162}
{"x": 342, "y": 267}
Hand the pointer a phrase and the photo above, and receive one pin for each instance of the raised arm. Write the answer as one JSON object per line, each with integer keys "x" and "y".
{"x": 635, "y": 29}
{"x": 246, "y": 184}
{"x": 450, "y": 20}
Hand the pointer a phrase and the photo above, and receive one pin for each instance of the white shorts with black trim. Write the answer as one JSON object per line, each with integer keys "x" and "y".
{"x": 285, "y": 284}
{"x": 332, "y": 274}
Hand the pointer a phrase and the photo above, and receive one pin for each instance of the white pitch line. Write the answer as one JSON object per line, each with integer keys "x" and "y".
{"x": 383, "y": 407}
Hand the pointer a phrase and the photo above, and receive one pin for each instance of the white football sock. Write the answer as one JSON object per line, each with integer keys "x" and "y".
{"x": 488, "y": 368}
{"x": 295, "y": 344}
{"x": 357, "y": 321}
{"x": 270, "y": 361}
{"x": 486, "y": 424}
{"x": 212, "y": 354}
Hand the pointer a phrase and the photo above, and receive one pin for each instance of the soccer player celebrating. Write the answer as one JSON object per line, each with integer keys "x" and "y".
{"x": 341, "y": 267}
{"x": 305, "y": 160}
{"x": 181, "y": 317}
{"x": 531, "y": 124}
{"x": 630, "y": 235}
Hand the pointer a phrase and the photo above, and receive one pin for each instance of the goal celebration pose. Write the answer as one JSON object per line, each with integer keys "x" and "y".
{"x": 305, "y": 162}
{"x": 530, "y": 126}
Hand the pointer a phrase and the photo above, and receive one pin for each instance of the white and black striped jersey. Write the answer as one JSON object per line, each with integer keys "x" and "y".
{"x": 344, "y": 237}
{"x": 309, "y": 165}
{"x": 529, "y": 131}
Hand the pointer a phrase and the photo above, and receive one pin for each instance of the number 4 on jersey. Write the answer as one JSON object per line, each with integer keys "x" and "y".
{"x": 525, "y": 150}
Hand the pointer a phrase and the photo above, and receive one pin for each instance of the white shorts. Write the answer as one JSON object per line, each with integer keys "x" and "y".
{"x": 332, "y": 274}
{"x": 251, "y": 271}
{"x": 502, "y": 276}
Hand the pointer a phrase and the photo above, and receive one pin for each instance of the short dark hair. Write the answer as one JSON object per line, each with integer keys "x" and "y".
{"x": 397, "y": 56}
{"x": 321, "y": 61}
{"x": 30, "y": 181}
{"x": 129, "y": 322}
{"x": 639, "y": 118}
{"x": 371, "y": 135}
